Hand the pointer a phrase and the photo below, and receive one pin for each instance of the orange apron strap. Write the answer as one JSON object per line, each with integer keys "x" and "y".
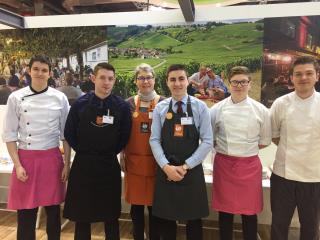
{"x": 137, "y": 103}
{"x": 154, "y": 103}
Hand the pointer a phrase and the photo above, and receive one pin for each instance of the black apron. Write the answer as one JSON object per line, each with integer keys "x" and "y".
{"x": 94, "y": 186}
{"x": 186, "y": 199}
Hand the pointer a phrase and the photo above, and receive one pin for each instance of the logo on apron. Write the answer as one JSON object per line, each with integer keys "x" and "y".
{"x": 99, "y": 120}
{"x": 178, "y": 130}
{"x": 144, "y": 127}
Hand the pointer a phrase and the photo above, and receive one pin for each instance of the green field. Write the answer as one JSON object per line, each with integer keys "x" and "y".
{"x": 125, "y": 65}
{"x": 150, "y": 40}
{"x": 220, "y": 44}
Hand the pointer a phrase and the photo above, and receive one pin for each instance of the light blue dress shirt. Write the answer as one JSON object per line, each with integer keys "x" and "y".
{"x": 201, "y": 118}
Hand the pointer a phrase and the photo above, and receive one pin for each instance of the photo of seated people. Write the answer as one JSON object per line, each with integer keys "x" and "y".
{"x": 206, "y": 84}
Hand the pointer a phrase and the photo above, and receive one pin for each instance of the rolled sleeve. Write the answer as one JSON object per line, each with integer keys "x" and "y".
{"x": 155, "y": 138}
{"x": 11, "y": 121}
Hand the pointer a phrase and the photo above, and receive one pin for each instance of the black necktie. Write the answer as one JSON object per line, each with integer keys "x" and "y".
{"x": 179, "y": 105}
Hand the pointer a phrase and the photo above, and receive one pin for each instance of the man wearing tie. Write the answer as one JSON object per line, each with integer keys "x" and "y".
{"x": 178, "y": 124}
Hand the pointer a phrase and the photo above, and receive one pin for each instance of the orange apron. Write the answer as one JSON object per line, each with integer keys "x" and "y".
{"x": 140, "y": 172}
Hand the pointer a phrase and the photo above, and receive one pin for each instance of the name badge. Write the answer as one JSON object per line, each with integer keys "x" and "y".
{"x": 186, "y": 121}
{"x": 178, "y": 130}
{"x": 107, "y": 119}
{"x": 150, "y": 115}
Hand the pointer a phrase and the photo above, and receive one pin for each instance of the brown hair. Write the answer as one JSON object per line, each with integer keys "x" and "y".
{"x": 305, "y": 60}
{"x": 103, "y": 65}
{"x": 239, "y": 70}
{"x": 42, "y": 59}
{"x": 176, "y": 67}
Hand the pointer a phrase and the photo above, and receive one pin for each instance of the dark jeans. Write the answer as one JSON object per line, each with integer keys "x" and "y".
{"x": 83, "y": 230}
{"x": 27, "y": 223}
{"x": 137, "y": 216}
{"x": 168, "y": 229}
{"x": 249, "y": 226}
{"x": 286, "y": 195}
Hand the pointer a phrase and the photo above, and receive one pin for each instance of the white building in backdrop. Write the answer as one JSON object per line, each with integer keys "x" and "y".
{"x": 91, "y": 56}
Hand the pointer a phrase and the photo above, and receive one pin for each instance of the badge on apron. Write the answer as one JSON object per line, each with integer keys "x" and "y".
{"x": 107, "y": 119}
{"x": 186, "y": 120}
{"x": 135, "y": 114}
{"x": 178, "y": 130}
{"x": 144, "y": 127}
{"x": 169, "y": 115}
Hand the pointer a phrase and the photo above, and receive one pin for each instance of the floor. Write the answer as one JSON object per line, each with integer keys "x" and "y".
{"x": 8, "y": 230}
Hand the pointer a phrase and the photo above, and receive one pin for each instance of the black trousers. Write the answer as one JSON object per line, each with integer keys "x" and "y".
{"x": 286, "y": 195}
{"x": 27, "y": 223}
{"x": 168, "y": 229}
{"x": 83, "y": 230}
{"x": 137, "y": 216}
{"x": 249, "y": 226}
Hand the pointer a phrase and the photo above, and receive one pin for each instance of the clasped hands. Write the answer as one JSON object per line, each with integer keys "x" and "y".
{"x": 174, "y": 173}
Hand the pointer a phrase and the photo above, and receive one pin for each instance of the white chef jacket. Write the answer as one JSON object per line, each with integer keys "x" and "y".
{"x": 297, "y": 122}
{"x": 239, "y": 128}
{"x": 36, "y": 122}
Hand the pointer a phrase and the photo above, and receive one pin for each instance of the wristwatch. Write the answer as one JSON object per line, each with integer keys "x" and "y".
{"x": 185, "y": 166}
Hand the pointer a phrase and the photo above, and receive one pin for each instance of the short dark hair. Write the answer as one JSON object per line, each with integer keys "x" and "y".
{"x": 239, "y": 70}
{"x": 103, "y": 65}
{"x": 176, "y": 67}
{"x": 40, "y": 58}
{"x": 305, "y": 60}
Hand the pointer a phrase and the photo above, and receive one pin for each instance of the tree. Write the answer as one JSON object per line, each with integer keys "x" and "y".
{"x": 54, "y": 42}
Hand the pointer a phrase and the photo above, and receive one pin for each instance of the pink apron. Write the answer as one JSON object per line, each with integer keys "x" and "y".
{"x": 43, "y": 186}
{"x": 237, "y": 184}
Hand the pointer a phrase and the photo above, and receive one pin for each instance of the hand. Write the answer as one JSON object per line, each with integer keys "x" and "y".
{"x": 65, "y": 173}
{"x": 123, "y": 162}
{"x": 181, "y": 170}
{"x": 21, "y": 174}
{"x": 174, "y": 173}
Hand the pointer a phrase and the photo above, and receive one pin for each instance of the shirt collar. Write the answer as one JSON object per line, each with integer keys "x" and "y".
{"x": 183, "y": 100}
{"x": 244, "y": 101}
{"x": 36, "y": 92}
